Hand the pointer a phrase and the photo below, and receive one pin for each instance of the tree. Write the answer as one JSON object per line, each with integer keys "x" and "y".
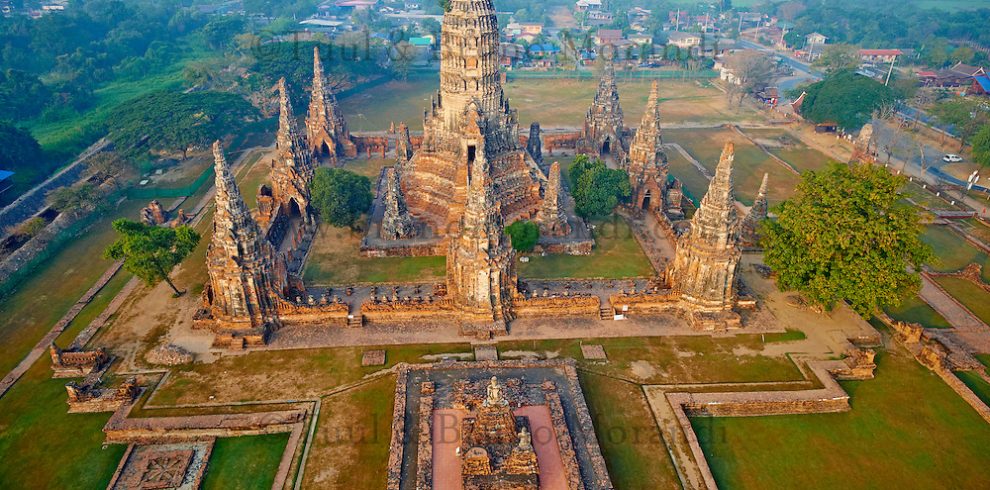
{"x": 105, "y": 165}
{"x": 78, "y": 197}
{"x": 966, "y": 115}
{"x": 24, "y": 94}
{"x": 847, "y": 98}
{"x": 846, "y": 236}
{"x": 752, "y": 71}
{"x": 524, "y": 235}
{"x": 176, "y": 121}
{"x": 340, "y": 196}
{"x": 19, "y": 151}
{"x": 836, "y": 57}
{"x": 981, "y": 146}
{"x": 151, "y": 252}
{"x": 597, "y": 188}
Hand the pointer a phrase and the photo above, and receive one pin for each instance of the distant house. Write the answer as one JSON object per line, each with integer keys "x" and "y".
{"x": 355, "y": 4}
{"x": 510, "y": 54}
{"x": 814, "y": 44}
{"x": 599, "y": 17}
{"x": 608, "y": 37}
{"x": 516, "y": 29}
{"x": 876, "y": 56}
{"x": 587, "y": 5}
{"x": 980, "y": 86}
{"x": 958, "y": 75}
{"x": 641, "y": 39}
{"x": 543, "y": 50}
{"x": 769, "y": 96}
{"x": 684, "y": 40}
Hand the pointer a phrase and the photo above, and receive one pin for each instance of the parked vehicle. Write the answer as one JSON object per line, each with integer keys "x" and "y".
{"x": 952, "y": 158}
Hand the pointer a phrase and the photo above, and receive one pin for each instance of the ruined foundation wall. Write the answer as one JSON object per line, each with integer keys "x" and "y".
{"x": 557, "y": 307}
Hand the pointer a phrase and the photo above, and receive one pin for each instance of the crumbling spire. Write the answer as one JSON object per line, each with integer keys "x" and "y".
{"x": 603, "y": 123}
{"x": 396, "y": 222}
{"x": 647, "y": 162}
{"x": 707, "y": 255}
{"x": 326, "y": 130}
{"x": 551, "y": 217}
{"x": 534, "y": 144}
{"x": 749, "y": 229}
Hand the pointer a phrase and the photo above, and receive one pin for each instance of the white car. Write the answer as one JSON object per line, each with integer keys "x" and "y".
{"x": 952, "y": 158}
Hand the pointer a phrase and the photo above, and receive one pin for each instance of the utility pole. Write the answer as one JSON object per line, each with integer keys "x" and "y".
{"x": 890, "y": 71}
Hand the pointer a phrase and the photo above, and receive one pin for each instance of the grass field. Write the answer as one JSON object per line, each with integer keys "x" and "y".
{"x": 782, "y": 144}
{"x": 969, "y": 294}
{"x": 617, "y": 254}
{"x": 953, "y": 251}
{"x": 750, "y": 162}
{"x": 335, "y": 259}
{"x": 907, "y": 429}
{"x": 695, "y": 184}
{"x": 915, "y": 310}
{"x": 926, "y": 199}
{"x": 975, "y": 382}
{"x": 552, "y": 102}
{"x": 39, "y": 301}
{"x": 244, "y": 463}
{"x": 43, "y": 446}
{"x": 350, "y": 448}
{"x": 634, "y": 452}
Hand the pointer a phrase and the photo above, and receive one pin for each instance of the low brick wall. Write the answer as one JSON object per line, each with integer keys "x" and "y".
{"x": 569, "y": 306}
{"x": 662, "y": 300}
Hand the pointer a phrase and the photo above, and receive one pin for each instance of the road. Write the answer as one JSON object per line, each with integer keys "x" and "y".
{"x": 803, "y": 72}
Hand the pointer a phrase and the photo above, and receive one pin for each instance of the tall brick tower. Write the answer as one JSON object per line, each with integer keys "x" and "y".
{"x": 647, "y": 163}
{"x": 480, "y": 261}
{"x": 603, "y": 125}
{"x": 435, "y": 180}
{"x": 245, "y": 275}
{"x": 326, "y": 130}
{"x": 292, "y": 168}
{"x": 704, "y": 268}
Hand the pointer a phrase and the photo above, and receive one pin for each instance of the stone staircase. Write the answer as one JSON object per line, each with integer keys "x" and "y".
{"x": 606, "y": 312}
{"x": 355, "y": 321}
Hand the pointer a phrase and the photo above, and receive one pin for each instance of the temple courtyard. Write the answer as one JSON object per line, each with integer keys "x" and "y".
{"x": 421, "y": 351}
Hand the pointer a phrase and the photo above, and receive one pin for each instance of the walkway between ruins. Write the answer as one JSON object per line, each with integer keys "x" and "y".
{"x": 965, "y": 325}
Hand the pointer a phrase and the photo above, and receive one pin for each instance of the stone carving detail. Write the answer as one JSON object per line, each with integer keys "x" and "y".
{"x": 551, "y": 218}
{"x": 603, "y": 123}
{"x": 326, "y": 130}
{"x": 435, "y": 181}
{"x": 749, "y": 229}
{"x": 396, "y": 222}
{"x": 704, "y": 267}
{"x": 647, "y": 162}
{"x": 292, "y": 168}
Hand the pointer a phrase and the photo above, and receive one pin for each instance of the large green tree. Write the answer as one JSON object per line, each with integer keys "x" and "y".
{"x": 981, "y": 146}
{"x": 847, "y": 236}
{"x": 966, "y": 115}
{"x": 524, "y": 235}
{"x": 846, "y": 98}
{"x": 597, "y": 188}
{"x": 151, "y": 252}
{"x": 340, "y": 196}
{"x": 176, "y": 121}
{"x": 19, "y": 151}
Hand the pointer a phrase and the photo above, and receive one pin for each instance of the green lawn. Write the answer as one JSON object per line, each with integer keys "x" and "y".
{"x": 975, "y": 382}
{"x": 907, "y": 429}
{"x": 969, "y": 294}
{"x": 353, "y": 438}
{"x": 789, "y": 148}
{"x": 953, "y": 251}
{"x": 44, "y": 296}
{"x": 923, "y": 197}
{"x": 705, "y": 145}
{"x": 915, "y": 310}
{"x": 695, "y": 183}
{"x": 634, "y": 452}
{"x": 43, "y": 446}
{"x": 617, "y": 254}
{"x": 243, "y": 463}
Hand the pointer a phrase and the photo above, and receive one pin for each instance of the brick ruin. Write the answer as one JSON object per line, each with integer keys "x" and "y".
{"x": 154, "y": 214}
{"x": 435, "y": 181}
{"x": 452, "y": 193}
{"x": 76, "y": 363}
{"x": 493, "y": 425}
{"x": 603, "y": 132}
{"x": 749, "y": 229}
{"x": 707, "y": 255}
{"x": 326, "y": 129}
